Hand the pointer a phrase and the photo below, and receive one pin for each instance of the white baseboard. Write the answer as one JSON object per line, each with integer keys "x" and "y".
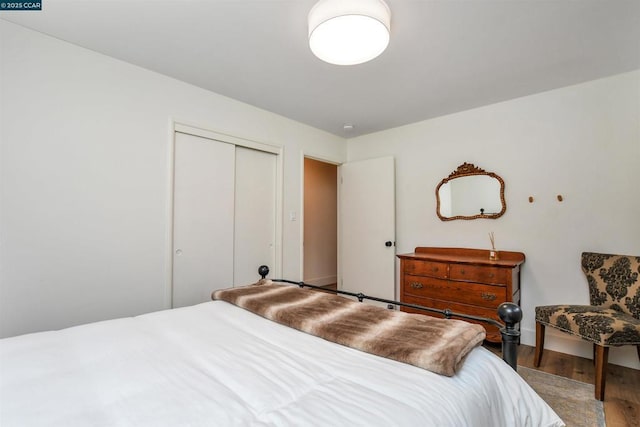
{"x": 564, "y": 343}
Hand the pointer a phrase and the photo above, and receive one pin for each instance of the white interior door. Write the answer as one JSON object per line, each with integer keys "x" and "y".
{"x": 203, "y": 218}
{"x": 367, "y": 227}
{"x": 255, "y": 214}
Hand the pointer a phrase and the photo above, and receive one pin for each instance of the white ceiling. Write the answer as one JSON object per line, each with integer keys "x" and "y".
{"x": 444, "y": 56}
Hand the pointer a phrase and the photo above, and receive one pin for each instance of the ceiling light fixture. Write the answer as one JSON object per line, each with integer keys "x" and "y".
{"x": 349, "y": 32}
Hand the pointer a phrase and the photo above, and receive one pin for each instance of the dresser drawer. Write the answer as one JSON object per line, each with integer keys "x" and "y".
{"x": 493, "y": 332}
{"x": 426, "y": 268}
{"x": 462, "y": 292}
{"x": 473, "y": 273}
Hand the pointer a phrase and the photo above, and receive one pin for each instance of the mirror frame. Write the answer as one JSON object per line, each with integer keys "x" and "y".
{"x": 469, "y": 169}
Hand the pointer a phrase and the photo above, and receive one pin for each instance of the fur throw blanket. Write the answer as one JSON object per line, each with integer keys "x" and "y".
{"x": 438, "y": 345}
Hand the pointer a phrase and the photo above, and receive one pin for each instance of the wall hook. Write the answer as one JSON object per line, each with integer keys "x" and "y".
{"x": 530, "y": 199}
{"x": 559, "y": 197}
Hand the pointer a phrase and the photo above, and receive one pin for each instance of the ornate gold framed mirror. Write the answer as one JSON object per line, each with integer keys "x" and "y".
{"x": 470, "y": 192}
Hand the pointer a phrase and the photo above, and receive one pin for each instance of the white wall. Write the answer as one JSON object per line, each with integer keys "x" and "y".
{"x": 84, "y": 143}
{"x": 582, "y": 142}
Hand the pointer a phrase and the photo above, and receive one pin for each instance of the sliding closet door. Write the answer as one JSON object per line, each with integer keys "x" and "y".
{"x": 203, "y": 218}
{"x": 255, "y": 216}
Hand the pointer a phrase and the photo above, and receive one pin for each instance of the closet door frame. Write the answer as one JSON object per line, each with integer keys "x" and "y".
{"x": 204, "y": 132}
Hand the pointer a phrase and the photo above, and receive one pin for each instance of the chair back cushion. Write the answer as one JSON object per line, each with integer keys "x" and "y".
{"x": 614, "y": 281}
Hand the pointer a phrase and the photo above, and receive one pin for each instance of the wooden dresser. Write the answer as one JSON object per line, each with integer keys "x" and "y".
{"x": 463, "y": 280}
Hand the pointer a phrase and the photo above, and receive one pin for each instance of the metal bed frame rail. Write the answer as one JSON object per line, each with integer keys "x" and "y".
{"x": 509, "y": 313}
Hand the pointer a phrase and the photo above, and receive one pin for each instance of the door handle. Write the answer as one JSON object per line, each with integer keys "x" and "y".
{"x": 388, "y": 243}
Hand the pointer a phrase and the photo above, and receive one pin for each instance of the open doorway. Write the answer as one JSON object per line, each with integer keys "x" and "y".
{"x": 320, "y": 233}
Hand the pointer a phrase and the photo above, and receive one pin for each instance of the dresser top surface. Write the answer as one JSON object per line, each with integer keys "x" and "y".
{"x": 466, "y": 256}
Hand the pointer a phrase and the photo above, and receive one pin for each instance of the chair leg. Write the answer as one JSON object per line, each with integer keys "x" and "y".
{"x": 638, "y": 348}
{"x": 602, "y": 356}
{"x": 537, "y": 356}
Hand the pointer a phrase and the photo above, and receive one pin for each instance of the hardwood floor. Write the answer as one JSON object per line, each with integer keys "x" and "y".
{"x": 622, "y": 393}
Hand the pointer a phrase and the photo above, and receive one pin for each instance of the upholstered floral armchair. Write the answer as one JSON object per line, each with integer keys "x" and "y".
{"x": 612, "y": 319}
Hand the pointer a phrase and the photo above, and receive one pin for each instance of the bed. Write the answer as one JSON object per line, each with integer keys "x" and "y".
{"x": 216, "y": 364}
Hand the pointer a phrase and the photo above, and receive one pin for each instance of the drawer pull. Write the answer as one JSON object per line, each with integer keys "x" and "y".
{"x": 488, "y": 296}
{"x": 434, "y": 269}
{"x": 416, "y": 285}
{"x": 462, "y": 272}
{"x": 491, "y": 275}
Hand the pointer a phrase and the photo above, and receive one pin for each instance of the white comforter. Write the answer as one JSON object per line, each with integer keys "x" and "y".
{"x": 215, "y": 364}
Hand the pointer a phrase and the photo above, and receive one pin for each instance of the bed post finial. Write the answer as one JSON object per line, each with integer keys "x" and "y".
{"x": 511, "y": 315}
{"x": 263, "y": 270}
